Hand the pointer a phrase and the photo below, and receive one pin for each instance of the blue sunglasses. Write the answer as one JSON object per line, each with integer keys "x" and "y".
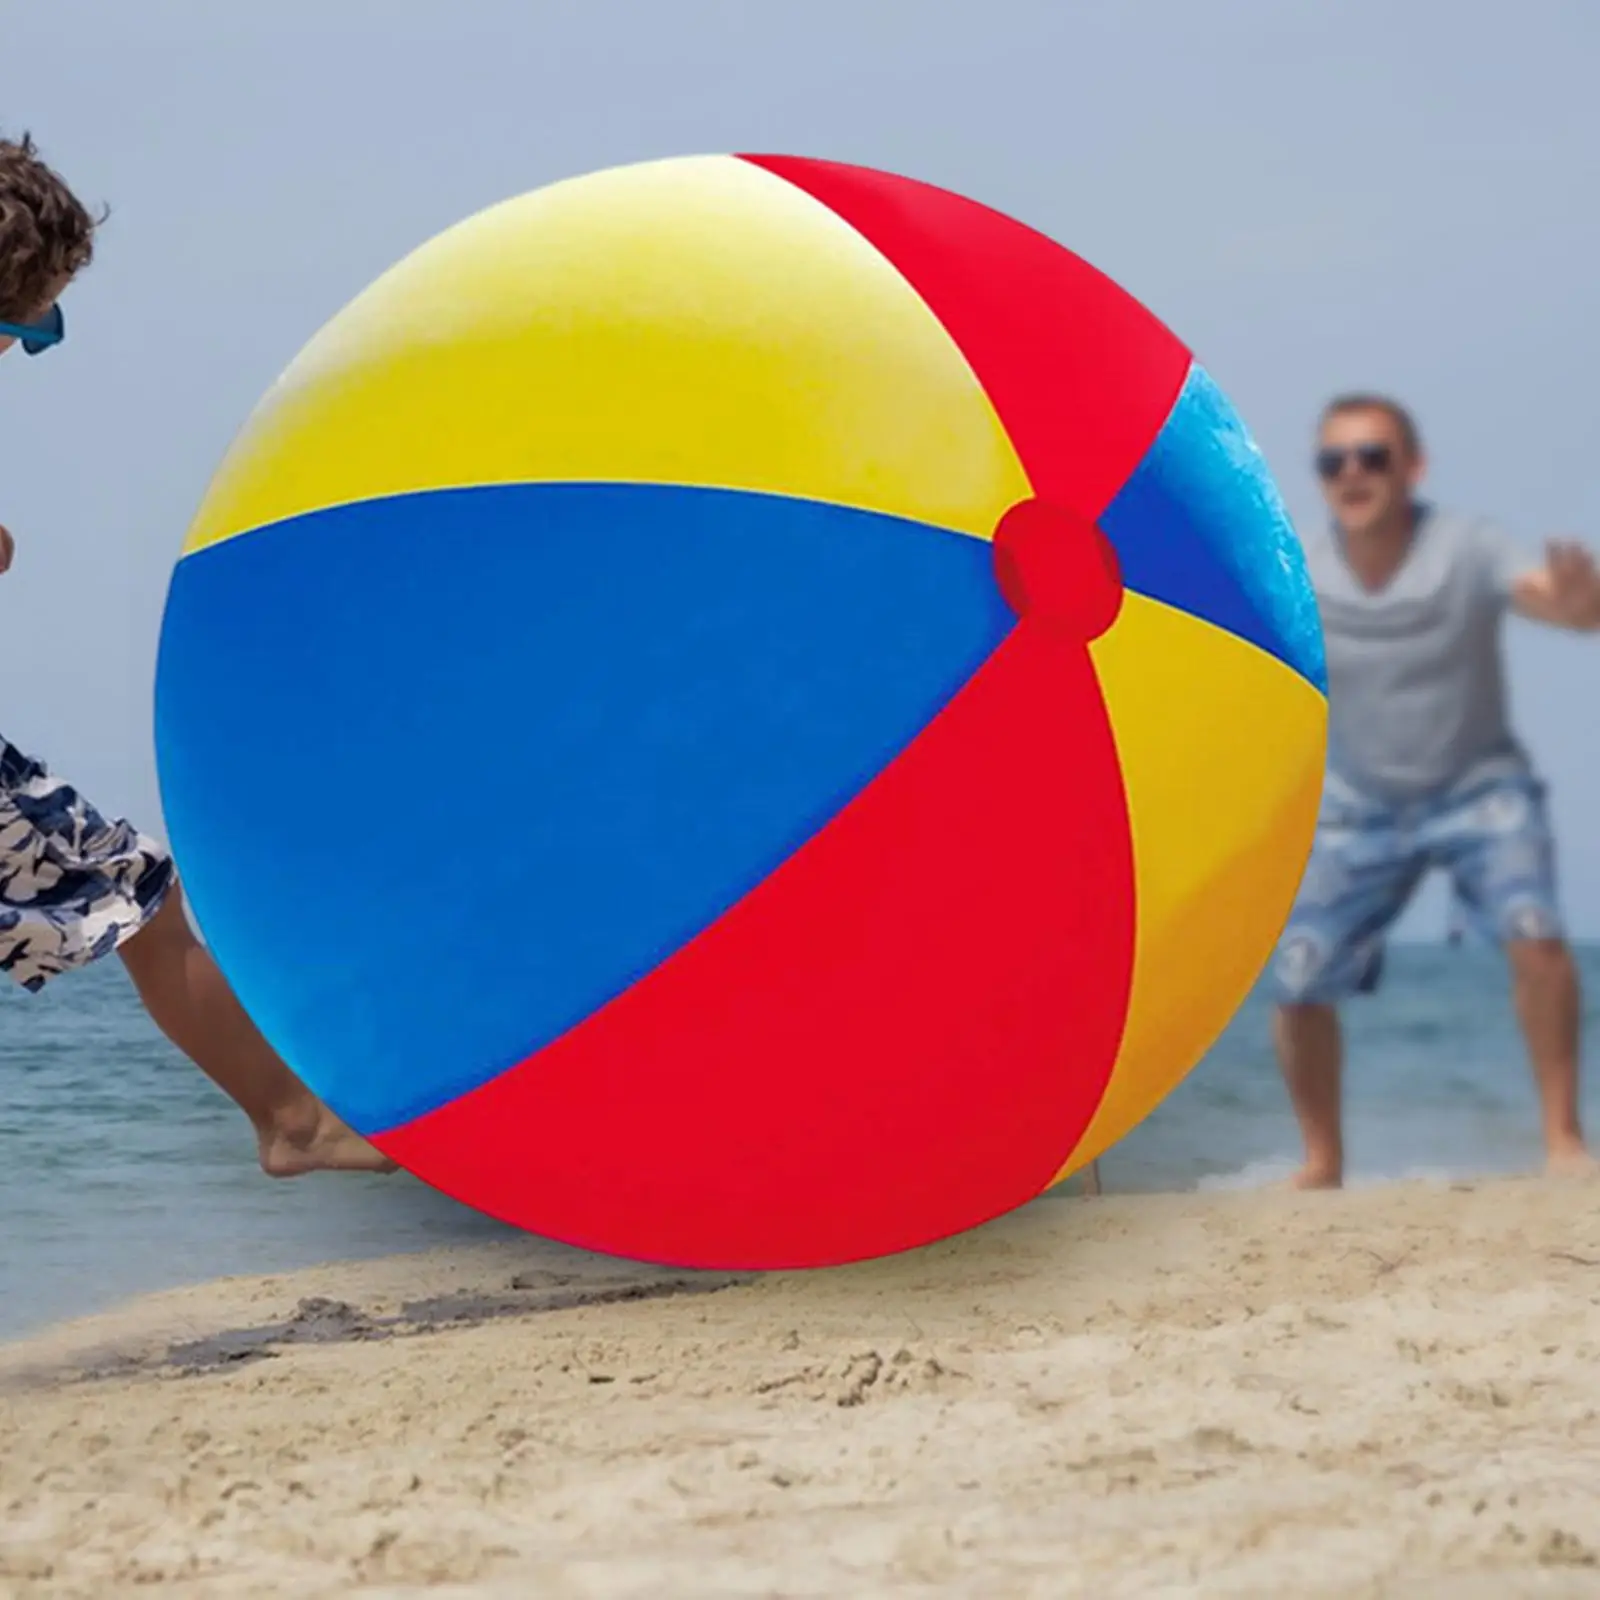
{"x": 49, "y": 330}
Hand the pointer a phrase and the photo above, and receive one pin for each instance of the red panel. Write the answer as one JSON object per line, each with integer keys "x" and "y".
{"x": 1082, "y": 375}
{"x": 900, "y": 1034}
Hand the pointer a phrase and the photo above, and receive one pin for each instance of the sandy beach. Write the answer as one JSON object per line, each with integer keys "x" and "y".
{"x": 1392, "y": 1391}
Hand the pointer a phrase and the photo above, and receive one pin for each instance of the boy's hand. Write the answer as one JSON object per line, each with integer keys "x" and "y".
{"x": 8, "y": 548}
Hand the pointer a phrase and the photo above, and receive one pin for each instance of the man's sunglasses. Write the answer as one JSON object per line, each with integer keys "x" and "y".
{"x": 1369, "y": 457}
{"x": 34, "y": 337}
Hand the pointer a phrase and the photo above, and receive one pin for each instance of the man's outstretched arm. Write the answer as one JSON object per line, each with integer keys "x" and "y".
{"x": 1564, "y": 592}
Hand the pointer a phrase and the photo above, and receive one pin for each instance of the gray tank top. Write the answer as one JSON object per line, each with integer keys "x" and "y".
{"x": 1416, "y": 684}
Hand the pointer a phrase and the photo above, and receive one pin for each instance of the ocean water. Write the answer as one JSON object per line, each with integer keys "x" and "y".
{"x": 123, "y": 1170}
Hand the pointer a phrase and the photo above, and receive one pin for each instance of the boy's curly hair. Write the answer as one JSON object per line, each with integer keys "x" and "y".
{"x": 46, "y": 231}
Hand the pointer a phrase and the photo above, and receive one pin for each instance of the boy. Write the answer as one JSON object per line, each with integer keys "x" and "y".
{"x": 74, "y": 886}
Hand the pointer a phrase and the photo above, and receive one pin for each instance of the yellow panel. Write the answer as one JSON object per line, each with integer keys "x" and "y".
{"x": 1222, "y": 750}
{"x": 695, "y": 321}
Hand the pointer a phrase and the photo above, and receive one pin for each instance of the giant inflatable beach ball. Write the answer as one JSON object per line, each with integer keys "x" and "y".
{"x": 742, "y": 712}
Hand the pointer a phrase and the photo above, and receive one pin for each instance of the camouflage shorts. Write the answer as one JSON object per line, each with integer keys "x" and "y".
{"x": 73, "y": 886}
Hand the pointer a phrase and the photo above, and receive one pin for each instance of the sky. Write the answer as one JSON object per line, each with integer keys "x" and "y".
{"x": 1397, "y": 194}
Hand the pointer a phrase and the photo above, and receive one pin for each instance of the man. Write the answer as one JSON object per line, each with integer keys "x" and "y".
{"x": 1424, "y": 771}
{"x": 74, "y": 886}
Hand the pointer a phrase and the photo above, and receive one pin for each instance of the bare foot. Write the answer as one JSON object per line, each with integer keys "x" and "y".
{"x": 316, "y": 1141}
{"x": 1316, "y": 1176}
{"x": 1570, "y": 1159}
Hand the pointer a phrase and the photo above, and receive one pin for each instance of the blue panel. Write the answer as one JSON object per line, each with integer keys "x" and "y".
{"x": 446, "y": 772}
{"x": 1201, "y": 526}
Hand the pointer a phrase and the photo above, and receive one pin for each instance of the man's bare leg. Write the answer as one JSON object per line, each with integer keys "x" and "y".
{"x": 191, "y": 1003}
{"x": 1309, "y": 1051}
{"x": 1549, "y": 1007}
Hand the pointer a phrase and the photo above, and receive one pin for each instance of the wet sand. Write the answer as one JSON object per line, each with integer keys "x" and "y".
{"x": 1393, "y": 1391}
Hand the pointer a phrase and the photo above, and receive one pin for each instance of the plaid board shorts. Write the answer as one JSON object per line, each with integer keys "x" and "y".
{"x": 1490, "y": 834}
{"x": 73, "y": 885}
